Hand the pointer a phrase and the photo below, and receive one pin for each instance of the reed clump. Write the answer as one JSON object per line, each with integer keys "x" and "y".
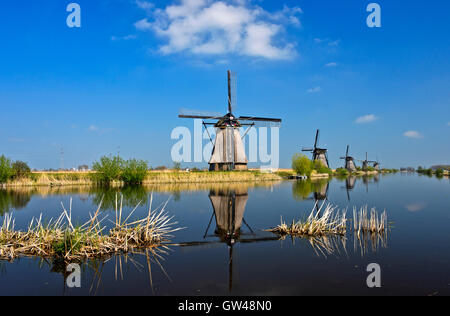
{"x": 321, "y": 222}
{"x": 60, "y": 238}
{"x": 366, "y": 221}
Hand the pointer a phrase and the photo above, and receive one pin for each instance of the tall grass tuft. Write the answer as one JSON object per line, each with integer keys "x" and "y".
{"x": 325, "y": 221}
{"x": 365, "y": 223}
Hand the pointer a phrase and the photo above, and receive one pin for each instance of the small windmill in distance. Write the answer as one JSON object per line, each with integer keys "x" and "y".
{"x": 349, "y": 161}
{"x": 319, "y": 154}
{"x": 376, "y": 164}
{"x": 365, "y": 163}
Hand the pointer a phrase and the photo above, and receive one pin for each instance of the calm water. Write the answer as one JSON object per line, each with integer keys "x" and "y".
{"x": 224, "y": 249}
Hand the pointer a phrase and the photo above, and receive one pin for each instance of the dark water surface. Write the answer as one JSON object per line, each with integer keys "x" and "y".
{"x": 224, "y": 249}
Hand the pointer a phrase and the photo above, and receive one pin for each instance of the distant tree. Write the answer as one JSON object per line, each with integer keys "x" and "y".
{"x": 21, "y": 169}
{"x": 6, "y": 169}
{"x": 301, "y": 164}
{"x": 108, "y": 169}
{"x": 439, "y": 173}
{"x": 134, "y": 171}
{"x": 177, "y": 166}
{"x": 161, "y": 168}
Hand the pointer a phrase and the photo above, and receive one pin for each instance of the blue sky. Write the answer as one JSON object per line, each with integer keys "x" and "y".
{"x": 118, "y": 82}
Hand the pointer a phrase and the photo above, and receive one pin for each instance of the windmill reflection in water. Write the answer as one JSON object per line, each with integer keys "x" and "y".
{"x": 228, "y": 211}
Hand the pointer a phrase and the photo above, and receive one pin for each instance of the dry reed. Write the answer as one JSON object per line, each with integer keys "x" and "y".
{"x": 319, "y": 223}
{"x": 362, "y": 223}
{"x": 60, "y": 238}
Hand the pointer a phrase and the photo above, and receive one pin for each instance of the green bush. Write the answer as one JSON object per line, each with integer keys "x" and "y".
{"x": 320, "y": 168}
{"x": 439, "y": 173}
{"x": 134, "y": 171}
{"x": 6, "y": 169}
{"x": 21, "y": 169}
{"x": 302, "y": 165}
{"x": 342, "y": 172}
{"x": 108, "y": 169}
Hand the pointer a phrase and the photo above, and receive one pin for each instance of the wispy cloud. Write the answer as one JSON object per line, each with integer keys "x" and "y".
{"x": 123, "y": 38}
{"x": 203, "y": 27}
{"x": 327, "y": 41}
{"x": 314, "y": 90}
{"x": 100, "y": 130}
{"x": 332, "y": 64}
{"x": 145, "y": 5}
{"x": 412, "y": 134}
{"x": 366, "y": 119}
{"x": 448, "y": 123}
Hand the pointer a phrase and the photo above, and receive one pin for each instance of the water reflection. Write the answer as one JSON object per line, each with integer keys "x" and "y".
{"x": 13, "y": 200}
{"x": 228, "y": 208}
{"x": 302, "y": 189}
{"x": 363, "y": 243}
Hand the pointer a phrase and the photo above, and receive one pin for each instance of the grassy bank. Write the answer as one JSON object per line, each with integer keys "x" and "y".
{"x": 67, "y": 178}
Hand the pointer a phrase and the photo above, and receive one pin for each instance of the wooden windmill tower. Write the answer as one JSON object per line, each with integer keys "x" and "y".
{"x": 349, "y": 161}
{"x": 228, "y": 151}
{"x": 365, "y": 164}
{"x": 376, "y": 164}
{"x": 319, "y": 154}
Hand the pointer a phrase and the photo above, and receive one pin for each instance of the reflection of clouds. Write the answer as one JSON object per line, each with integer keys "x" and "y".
{"x": 415, "y": 207}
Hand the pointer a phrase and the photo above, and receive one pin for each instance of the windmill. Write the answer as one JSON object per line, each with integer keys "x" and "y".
{"x": 365, "y": 163}
{"x": 319, "y": 154}
{"x": 228, "y": 148}
{"x": 349, "y": 161}
{"x": 376, "y": 164}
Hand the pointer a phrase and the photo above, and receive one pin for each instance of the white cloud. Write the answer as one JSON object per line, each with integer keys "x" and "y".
{"x": 222, "y": 27}
{"x": 412, "y": 134}
{"x": 448, "y": 124}
{"x": 332, "y": 64}
{"x": 366, "y": 119}
{"x": 145, "y": 5}
{"x": 314, "y": 90}
{"x": 93, "y": 128}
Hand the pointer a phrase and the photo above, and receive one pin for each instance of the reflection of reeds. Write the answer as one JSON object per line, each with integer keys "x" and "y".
{"x": 319, "y": 223}
{"x": 62, "y": 239}
{"x": 151, "y": 255}
{"x": 366, "y": 241}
